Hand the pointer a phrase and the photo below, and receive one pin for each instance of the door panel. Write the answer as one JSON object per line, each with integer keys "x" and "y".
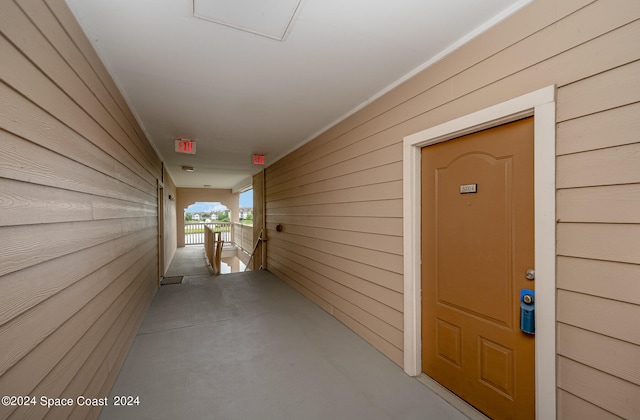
{"x": 476, "y": 248}
{"x": 478, "y": 221}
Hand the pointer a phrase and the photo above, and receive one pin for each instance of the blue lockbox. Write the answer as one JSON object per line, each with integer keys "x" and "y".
{"x": 527, "y": 311}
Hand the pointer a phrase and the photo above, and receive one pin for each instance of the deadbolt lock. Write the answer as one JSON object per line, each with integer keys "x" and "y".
{"x": 530, "y": 274}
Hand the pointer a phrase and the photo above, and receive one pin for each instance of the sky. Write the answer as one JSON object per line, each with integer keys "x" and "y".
{"x": 246, "y": 200}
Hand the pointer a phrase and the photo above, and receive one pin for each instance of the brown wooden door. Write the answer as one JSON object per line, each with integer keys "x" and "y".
{"x": 476, "y": 248}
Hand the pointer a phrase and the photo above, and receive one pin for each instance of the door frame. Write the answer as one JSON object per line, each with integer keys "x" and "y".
{"x": 541, "y": 105}
{"x": 160, "y": 204}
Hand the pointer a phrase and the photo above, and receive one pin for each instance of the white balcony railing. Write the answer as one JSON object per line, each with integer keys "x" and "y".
{"x": 238, "y": 234}
{"x": 194, "y": 232}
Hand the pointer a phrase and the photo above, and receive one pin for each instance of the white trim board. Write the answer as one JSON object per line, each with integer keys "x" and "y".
{"x": 541, "y": 105}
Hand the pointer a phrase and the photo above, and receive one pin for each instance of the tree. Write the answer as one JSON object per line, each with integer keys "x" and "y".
{"x": 223, "y": 216}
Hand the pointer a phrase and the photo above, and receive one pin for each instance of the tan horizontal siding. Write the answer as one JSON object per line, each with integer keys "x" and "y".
{"x": 560, "y": 70}
{"x": 616, "y": 165}
{"x": 352, "y": 159}
{"x": 599, "y": 315}
{"x": 337, "y": 237}
{"x": 604, "y": 91}
{"x": 554, "y": 40}
{"x": 361, "y": 247}
{"x": 94, "y": 344}
{"x": 369, "y": 296}
{"x": 113, "y": 348}
{"x": 28, "y": 245}
{"x": 606, "y": 279}
{"x": 19, "y": 116}
{"x": 56, "y": 362}
{"x": 614, "y": 127}
{"x": 573, "y": 407}
{"x": 595, "y": 350}
{"x": 20, "y": 295}
{"x": 100, "y": 95}
{"x": 376, "y": 276}
{"x": 349, "y": 176}
{"x": 598, "y": 269}
{"x": 45, "y": 318}
{"x": 355, "y": 305}
{"x": 381, "y": 225}
{"x": 78, "y": 213}
{"x": 589, "y": 50}
{"x": 602, "y": 204}
{"x": 383, "y": 191}
{"x": 22, "y": 32}
{"x": 299, "y": 287}
{"x": 387, "y": 348}
{"x": 612, "y": 242}
{"x": 382, "y": 208}
{"x": 51, "y": 98}
{"x": 94, "y": 65}
{"x": 23, "y": 203}
{"x": 596, "y": 387}
{"x": 27, "y": 162}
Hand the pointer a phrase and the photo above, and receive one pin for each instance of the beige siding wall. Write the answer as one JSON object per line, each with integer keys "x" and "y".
{"x": 339, "y": 197}
{"x": 598, "y": 248}
{"x": 78, "y": 213}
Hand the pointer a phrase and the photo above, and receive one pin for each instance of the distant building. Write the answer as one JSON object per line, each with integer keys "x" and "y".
{"x": 245, "y": 211}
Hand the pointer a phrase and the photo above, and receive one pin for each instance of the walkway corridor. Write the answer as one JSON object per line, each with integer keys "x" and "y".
{"x": 248, "y": 346}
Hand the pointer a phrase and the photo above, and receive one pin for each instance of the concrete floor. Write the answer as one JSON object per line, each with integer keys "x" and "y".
{"x": 248, "y": 346}
{"x": 188, "y": 261}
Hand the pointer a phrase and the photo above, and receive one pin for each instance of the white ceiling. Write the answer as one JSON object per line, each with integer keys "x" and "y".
{"x": 265, "y": 76}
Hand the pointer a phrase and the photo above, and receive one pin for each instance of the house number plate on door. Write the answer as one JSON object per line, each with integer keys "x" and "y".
{"x": 468, "y": 188}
